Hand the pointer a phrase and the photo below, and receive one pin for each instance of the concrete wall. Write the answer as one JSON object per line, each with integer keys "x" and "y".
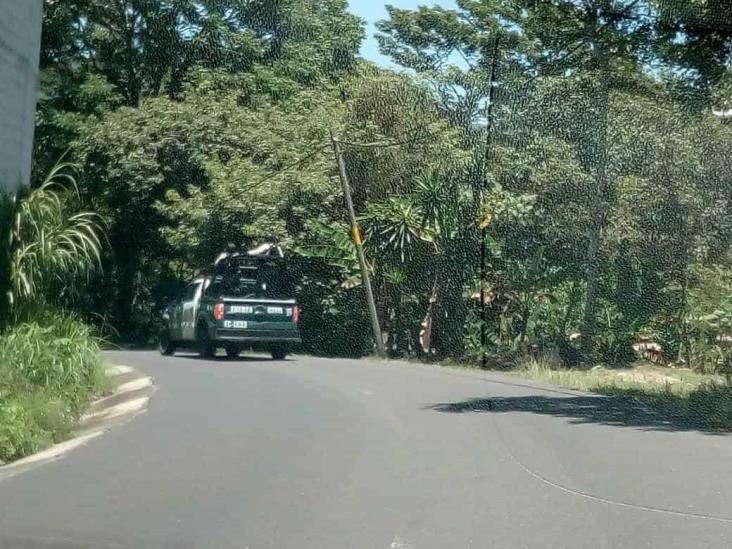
{"x": 20, "y": 43}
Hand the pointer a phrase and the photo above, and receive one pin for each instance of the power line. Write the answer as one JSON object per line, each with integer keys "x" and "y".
{"x": 376, "y": 145}
{"x": 290, "y": 166}
{"x": 383, "y": 144}
{"x": 317, "y": 150}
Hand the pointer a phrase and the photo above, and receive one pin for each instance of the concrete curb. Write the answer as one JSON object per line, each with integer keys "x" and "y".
{"x": 130, "y": 397}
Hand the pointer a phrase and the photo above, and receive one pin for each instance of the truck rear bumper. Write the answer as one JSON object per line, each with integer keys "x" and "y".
{"x": 257, "y": 336}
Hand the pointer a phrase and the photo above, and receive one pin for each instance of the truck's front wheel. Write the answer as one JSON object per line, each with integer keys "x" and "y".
{"x": 166, "y": 345}
{"x": 206, "y": 347}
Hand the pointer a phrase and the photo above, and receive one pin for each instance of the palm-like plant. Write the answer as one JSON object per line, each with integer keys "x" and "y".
{"x": 439, "y": 203}
{"x": 48, "y": 241}
{"x": 334, "y": 247}
{"x": 396, "y": 225}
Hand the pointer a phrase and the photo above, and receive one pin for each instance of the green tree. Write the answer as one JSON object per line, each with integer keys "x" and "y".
{"x": 595, "y": 46}
{"x": 146, "y": 47}
{"x": 413, "y": 198}
{"x": 601, "y": 45}
{"x": 123, "y": 84}
{"x": 695, "y": 41}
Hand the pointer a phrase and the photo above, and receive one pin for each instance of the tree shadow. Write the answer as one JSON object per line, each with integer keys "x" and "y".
{"x": 622, "y": 410}
{"x": 223, "y": 358}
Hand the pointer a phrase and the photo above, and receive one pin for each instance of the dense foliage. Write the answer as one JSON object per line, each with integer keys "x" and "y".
{"x": 50, "y": 364}
{"x": 51, "y": 244}
{"x": 50, "y": 368}
{"x": 547, "y": 175}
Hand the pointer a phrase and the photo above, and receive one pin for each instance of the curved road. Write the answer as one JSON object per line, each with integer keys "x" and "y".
{"x": 317, "y": 453}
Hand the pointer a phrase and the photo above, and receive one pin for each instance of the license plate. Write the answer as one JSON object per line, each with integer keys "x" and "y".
{"x": 235, "y": 324}
{"x": 240, "y": 309}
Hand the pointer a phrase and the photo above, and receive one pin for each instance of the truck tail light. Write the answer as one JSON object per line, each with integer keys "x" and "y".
{"x": 296, "y": 314}
{"x": 218, "y": 311}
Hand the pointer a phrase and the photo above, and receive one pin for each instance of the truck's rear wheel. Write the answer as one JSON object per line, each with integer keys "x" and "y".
{"x": 206, "y": 347}
{"x": 232, "y": 351}
{"x": 166, "y": 345}
{"x": 279, "y": 353}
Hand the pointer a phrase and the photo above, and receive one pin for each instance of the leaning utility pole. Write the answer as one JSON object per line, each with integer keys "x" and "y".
{"x": 356, "y": 235}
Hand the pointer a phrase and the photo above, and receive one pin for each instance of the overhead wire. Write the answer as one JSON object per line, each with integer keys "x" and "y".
{"x": 317, "y": 150}
{"x": 290, "y": 166}
{"x": 381, "y": 144}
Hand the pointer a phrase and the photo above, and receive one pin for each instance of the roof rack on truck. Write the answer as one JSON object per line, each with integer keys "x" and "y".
{"x": 237, "y": 259}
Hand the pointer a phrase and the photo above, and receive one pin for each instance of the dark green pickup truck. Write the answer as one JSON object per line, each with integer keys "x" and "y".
{"x": 239, "y": 303}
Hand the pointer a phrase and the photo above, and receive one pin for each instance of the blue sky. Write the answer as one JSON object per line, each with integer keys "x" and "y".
{"x": 374, "y": 10}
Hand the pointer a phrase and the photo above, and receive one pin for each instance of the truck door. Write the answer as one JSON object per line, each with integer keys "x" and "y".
{"x": 189, "y": 309}
{"x": 174, "y": 323}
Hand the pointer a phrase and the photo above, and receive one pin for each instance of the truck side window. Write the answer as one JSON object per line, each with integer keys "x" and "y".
{"x": 213, "y": 287}
{"x": 191, "y": 291}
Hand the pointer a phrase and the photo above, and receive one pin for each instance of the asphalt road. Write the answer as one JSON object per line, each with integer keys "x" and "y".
{"x": 326, "y": 454}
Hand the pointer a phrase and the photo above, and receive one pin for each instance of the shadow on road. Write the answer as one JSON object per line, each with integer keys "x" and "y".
{"x": 224, "y": 358}
{"x": 623, "y": 411}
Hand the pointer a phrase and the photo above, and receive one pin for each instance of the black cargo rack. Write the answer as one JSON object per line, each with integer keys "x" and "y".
{"x": 247, "y": 261}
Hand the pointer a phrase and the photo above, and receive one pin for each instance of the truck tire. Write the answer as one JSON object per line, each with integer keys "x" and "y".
{"x": 279, "y": 353}
{"x": 206, "y": 347}
{"x": 166, "y": 344}
{"x": 232, "y": 351}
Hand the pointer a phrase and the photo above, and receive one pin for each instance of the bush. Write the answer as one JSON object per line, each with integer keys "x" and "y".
{"x": 682, "y": 397}
{"x": 707, "y": 341}
{"x": 50, "y": 369}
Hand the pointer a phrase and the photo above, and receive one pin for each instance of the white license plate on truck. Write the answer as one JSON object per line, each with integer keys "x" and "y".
{"x": 235, "y": 323}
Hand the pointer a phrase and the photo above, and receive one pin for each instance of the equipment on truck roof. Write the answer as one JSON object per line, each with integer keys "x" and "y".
{"x": 261, "y": 270}
{"x": 235, "y": 258}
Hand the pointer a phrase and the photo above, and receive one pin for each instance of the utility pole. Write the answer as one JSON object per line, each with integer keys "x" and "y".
{"x": 484, "y": 187}
{"x": 356, "y": 235}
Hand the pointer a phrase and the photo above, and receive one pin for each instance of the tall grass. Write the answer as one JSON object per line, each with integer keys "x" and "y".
{"x": 701, "y": 400}
{"x": 50, "y": 366}
{"x": 50, "y": 241}
{"x": 50, "y": 369}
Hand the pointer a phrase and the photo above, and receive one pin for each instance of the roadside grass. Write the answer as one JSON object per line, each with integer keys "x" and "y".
{"x": 700, "y": 400}
{"x": 50, "y": 370}
{"x": 678, "y": 395}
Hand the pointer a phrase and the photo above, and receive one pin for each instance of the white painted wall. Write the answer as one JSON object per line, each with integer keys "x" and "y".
{"x": 20, "y": 44}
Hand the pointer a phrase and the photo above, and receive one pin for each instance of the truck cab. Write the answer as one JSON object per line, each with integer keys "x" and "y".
{"x": 244, "y": 301}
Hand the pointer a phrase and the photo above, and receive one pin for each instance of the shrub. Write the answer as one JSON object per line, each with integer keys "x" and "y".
{"x": 707, "y": 341}
{"x": 50, "y": 242}
{"x": 50, "y": 369}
